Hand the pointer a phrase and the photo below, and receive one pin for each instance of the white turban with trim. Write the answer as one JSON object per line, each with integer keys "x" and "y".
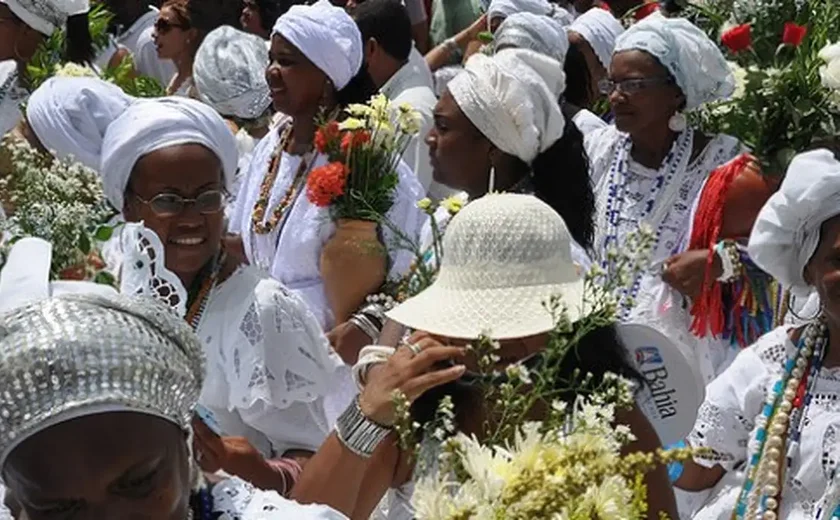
{"x": 46, "y": 16}
{"x": 600, "y": 29}
{"x": 229, "y": 73}
{"x": 694, "y": 60}
{"x": 535, "y": 32}
{"x": 70, "y": 116}
{"x": 787, "y": 231}
{"x": 505, "y": 8}
{"x": 327, "y": 36}
{"x": 512, "y": 98}
{"x": 153, "y": 124}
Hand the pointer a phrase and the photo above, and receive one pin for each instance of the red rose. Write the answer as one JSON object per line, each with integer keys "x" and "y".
{"x": 738, "y": 38}
{"x": 646, "y": 10}
{"x": 353, "y": 139}
{"x": 326, "y": 183}
{"x": 794, "y": 34}
{"x": 325, "y": 134}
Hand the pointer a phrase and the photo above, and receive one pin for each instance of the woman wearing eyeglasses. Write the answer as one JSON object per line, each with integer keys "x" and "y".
{"x": 167, "y": 163}
{"x": 179, "y": 30}
{"x": 650, "y": 167}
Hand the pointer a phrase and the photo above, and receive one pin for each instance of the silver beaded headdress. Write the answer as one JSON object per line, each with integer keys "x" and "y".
{"x": 77, "y": 355}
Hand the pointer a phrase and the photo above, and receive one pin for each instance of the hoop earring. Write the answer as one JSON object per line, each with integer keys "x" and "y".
{"x": 791, "y": 306}
{"x": 678, "y": 122}
{"x": 492, "y": 184}
{"x": 18, "y": 57}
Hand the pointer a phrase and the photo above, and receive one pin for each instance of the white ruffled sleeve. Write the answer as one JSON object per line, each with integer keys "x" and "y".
{"x": 734, "y": 400}
{"x": 236, "y": 499}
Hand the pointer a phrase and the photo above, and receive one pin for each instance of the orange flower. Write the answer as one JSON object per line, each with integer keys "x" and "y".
{"x": 326, "y": 183}
{"x": 325, "y": 134}
{"x": 354, "y": 139}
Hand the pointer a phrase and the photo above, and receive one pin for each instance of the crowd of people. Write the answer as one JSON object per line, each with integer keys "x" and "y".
{"x": 218, "y": 379}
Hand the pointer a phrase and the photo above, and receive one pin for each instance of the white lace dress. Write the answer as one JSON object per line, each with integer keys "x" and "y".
{"x": 726, "y": 424}
{"x": 291, "y": 252}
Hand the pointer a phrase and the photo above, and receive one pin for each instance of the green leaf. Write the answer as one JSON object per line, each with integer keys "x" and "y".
{"x": 84, "y": 243}
{"x": 105, "y": 278}
{"x": 104, "y": 233}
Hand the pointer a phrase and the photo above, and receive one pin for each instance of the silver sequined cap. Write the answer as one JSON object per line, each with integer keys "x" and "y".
{"x": 78, "y": 355}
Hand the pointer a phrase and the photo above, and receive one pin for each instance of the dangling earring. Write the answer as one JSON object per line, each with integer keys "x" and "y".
{"x": 492, "y": 183}
{"x": 678, "y": 122}
{"x": 791, "y": 306}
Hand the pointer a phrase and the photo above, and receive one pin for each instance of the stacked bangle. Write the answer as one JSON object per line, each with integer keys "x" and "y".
{"x": 358, "y": 433}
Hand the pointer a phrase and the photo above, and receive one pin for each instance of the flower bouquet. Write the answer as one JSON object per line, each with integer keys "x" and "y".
{"x": 61, "y": 202}
{"x": 357, "y": 186}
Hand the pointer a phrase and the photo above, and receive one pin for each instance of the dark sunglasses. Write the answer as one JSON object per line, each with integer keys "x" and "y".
{"x": 172, "y": 204}
{"x": 630, "y": 86}
{"x": 163, "y": 25}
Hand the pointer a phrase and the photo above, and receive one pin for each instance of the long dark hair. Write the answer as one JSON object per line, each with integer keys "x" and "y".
{"x": 578, "y": 78}
{"x": 598, "y": 352}
{"x": 78, "y": 42}
{"x": 359, "y": 90}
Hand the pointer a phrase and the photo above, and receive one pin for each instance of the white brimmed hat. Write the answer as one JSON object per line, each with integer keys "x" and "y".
{"x": 505, "y": 256}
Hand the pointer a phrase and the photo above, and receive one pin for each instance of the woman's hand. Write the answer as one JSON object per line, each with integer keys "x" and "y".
{"x": 686, "y": 272}
{"x": 410, "y": 373}
{"x": 347, "y": 340}
{"x": 234, "y": 455}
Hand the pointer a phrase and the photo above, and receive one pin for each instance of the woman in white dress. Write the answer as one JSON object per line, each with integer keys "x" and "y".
{"x": 95, "y": 422}
{"x": 229, "y": 75}
{"x": 316, "y": 66}
{"x": 649, "y": 167}
{"x": 168, "y": 163}
{"x": 770, "y": 421}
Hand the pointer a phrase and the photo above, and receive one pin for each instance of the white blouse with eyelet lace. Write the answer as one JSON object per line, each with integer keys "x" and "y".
{"x": 726, "y": 425}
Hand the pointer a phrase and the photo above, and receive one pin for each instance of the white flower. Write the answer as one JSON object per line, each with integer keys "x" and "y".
{"x": 519, "y": 372}
{"x": 740, "y": 75}
{"x": 830, "y": 72}
{"x": 74, "y": 70}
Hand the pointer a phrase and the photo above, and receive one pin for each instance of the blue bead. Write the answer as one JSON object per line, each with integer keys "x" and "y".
{"x": 761, "y": 434}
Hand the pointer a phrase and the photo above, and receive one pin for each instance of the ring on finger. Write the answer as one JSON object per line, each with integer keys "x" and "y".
{"x": 414, "y": 348}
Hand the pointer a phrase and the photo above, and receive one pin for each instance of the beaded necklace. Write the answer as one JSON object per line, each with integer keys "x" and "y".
{"x": 199, "y": 303}
{"x": 201, "y": 505}
{"x": 660, "y": 196}
{"x": 782, "y": 416}
{"x": 264, "y": 228}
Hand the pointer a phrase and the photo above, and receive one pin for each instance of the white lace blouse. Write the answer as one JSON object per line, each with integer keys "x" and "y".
{"x": 291, "y": 252}
{"x": 269, "y": 365}
{"x": 726, "y": 423}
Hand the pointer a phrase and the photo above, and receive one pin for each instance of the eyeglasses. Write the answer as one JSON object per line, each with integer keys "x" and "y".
{"x": 630, "y": 86}
{"x": 172, "y": 204}
{"x": 163, "y": 25}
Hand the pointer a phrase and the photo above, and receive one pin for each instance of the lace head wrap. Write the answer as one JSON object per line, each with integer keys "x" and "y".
{"x": 512, "y": 98}
{"x": 694, "y": 60}
{"x": 787, "y": 231}
{"x": 535, "y": 32}
{"x": 153, "y": 124}
{"x": 70, "y": 116}
{"x": 229, "y": 73}
{"x": 601, "y": 30}
{"x": 327, "y": 36}
{"x": 45, "y": 16}
{"x": 505, "y": 8}
{"x": 78, "y": 355}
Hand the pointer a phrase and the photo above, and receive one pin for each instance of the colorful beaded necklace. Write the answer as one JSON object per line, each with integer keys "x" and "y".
{"x": 199, "y": 302}
{"x": 779, "y": 426}
{"x": 264, "y": 228}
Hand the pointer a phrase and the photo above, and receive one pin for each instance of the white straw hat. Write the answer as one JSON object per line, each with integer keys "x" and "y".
{"x": 505, "y": 256}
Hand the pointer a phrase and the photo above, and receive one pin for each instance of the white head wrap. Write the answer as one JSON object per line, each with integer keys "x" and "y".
{"x": 787, "y": 230}
{"x": 694, "y": 60}
{"x": 45, "y": 16}
{"x": 512, "y": 98}
{"x": 153, "y": 124}
{"x": 505, "y": 8}
{"x": 70, "y": 116}
{"x": 229, "y": 73}
{"x": 327, "y": 36}
{"x": 535, "y": 32}
{"x": 600, "y": 29}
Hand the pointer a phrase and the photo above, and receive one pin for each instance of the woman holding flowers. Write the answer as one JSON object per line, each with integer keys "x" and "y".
{"x": 168, "y": 163}
{"x": 770, "y": 421}
{"x": 507, "y": 256}
{"x": 315, "y": 70}
{"x": 650, "y": 166}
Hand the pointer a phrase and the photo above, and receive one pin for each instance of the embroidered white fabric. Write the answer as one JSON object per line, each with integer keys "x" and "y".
{"x": 269, "y": 365}
{"x": 236, "y": 499}
{"x": 291, "y": 252}
{"x": 726, "y": 424}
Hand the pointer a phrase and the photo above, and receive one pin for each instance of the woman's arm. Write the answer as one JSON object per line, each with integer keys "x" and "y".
{"x": 660, "y": 494}
{"x": 444, "y": 53}
{"x": 695, "y": 477}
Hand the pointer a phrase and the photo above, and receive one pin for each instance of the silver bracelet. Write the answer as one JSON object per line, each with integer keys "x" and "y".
{"x": 358, "y": 433}
{"x": 366, "y": 326}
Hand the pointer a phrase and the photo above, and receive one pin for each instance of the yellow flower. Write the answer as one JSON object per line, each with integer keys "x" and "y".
{"x": 409, "y": 121}
{"x": 359, "y": 110}
{"x": 452, "y": 204}
{"x": 73, "y": 70}
{"x": 424, "y": 204}
{"x": 352, "y": 123}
